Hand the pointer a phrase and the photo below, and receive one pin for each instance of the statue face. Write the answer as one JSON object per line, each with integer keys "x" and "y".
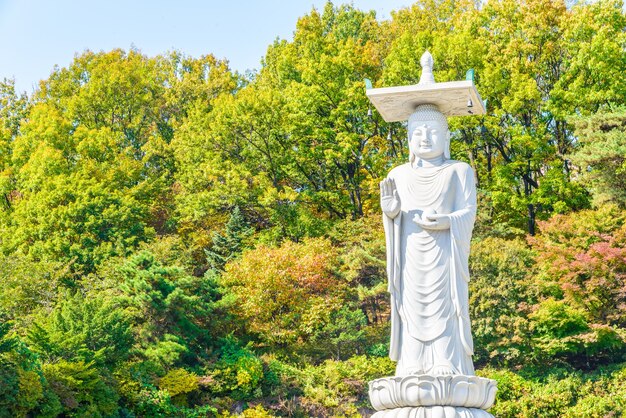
{"x": 428, "y": 139}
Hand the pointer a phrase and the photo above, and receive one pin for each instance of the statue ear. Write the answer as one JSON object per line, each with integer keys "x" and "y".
{"x": 446, "y": 150}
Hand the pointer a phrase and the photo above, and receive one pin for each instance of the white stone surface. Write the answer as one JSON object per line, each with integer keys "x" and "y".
{"x": 429, "y": 208}
{"x": 396, "y": 104}
{"x": 433, "y": 412}
{"x": 425, "y": 390}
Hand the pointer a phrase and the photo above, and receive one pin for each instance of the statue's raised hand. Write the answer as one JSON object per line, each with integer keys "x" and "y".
{"x": 389, "y": 199}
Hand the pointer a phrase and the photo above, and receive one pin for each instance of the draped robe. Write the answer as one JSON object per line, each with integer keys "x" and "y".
{"x": 428, "y": 270}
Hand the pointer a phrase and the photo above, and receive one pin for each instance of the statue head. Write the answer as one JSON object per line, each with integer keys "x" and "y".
{"x": 428, "y": 133}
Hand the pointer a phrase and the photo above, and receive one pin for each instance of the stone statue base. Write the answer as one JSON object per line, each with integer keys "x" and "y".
{"x": 433, "y": 412}
{"x": 425, "y": 396}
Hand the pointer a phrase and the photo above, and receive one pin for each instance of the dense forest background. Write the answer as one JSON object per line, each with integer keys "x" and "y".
{"x": 178, "y": 239}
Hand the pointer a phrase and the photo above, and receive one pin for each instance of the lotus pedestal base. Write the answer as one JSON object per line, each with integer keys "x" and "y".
{"x": 425, "y": 396}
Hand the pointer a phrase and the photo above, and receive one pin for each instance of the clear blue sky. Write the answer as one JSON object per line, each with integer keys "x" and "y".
{"x": 37, "y": 34}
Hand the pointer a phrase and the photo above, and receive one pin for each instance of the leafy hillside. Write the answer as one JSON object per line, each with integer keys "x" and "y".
{"x": 177, "y": 239}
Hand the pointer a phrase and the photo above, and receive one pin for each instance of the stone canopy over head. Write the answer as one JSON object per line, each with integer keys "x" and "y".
{"x": 453, "y": 98}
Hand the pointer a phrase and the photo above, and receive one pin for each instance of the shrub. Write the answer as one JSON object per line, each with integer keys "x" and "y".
{"x": 341, "y": 386}
{"x": 178, "y": 383}
{"x": 238, "y": 372}
{"x": 81, "y": 388}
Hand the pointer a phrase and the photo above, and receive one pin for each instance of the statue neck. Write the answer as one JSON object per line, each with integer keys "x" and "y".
{"x": 429, "y": 162}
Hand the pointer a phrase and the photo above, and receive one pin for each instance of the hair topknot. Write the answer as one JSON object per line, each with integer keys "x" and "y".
{"x": 427, "y": 112}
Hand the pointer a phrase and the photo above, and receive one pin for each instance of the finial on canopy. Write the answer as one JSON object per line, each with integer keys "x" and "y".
{"x": 452, "y": 98}
{"x": 427, "y": 63}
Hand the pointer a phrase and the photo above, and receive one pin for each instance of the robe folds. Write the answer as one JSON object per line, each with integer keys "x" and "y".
{"x": 428, "y": 270}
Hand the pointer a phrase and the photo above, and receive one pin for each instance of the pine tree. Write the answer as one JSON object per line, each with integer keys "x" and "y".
{"x": 601, "y": 155}
{"x": 7, "y": 343}
{"x": 228, "y": 244}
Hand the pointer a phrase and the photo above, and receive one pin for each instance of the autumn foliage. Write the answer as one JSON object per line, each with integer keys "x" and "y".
{"x": 284, "y": 294}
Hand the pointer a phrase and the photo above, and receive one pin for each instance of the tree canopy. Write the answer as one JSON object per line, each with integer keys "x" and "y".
{"x": 179, "y": 239}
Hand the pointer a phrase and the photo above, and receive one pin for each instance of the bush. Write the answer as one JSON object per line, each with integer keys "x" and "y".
{"x": 238, "y": 373}
{"x": 280, "y": 378}
{"x": 178, "y": 383}
{"x": 341, "y": 386}
{"x": 81, "y": 389}
{"x": 511, "y": 389}
{"x": 285, "y": 295}
{"x": 256, "y": 412}
{"x": 556, "y": 392}
{"x": 550, "y": 399}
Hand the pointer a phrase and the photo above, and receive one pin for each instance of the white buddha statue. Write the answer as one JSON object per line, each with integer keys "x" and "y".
{"x": 429, "y": 206}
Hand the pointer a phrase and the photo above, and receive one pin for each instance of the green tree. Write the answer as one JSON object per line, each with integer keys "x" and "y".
{"x": 230, "y": 244}
{"x": 26, "y": 287}
{"x": 92, "y": 169}
{"x": 601, "y": 155}
{"x": 81, "y": 162}
{"x": 168, "y": 307}
{"x": 298, "y": 135}
{"x": 335, "y": 143}
{"x": 591, "y": 80}
{"x": 211, "y": 177}
{"x": 82, "y": 329}
{"x": 520, "y": 58}
{"x": 24, "y": 391}
{"x": 81, "y": 388}
{"x": 13, "y": 112}
{"x": 501, "y": 295}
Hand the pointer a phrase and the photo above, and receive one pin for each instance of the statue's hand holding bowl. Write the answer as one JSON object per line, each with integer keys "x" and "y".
{"x": 433, "y": 221}
{"x": 389, "y": 199}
